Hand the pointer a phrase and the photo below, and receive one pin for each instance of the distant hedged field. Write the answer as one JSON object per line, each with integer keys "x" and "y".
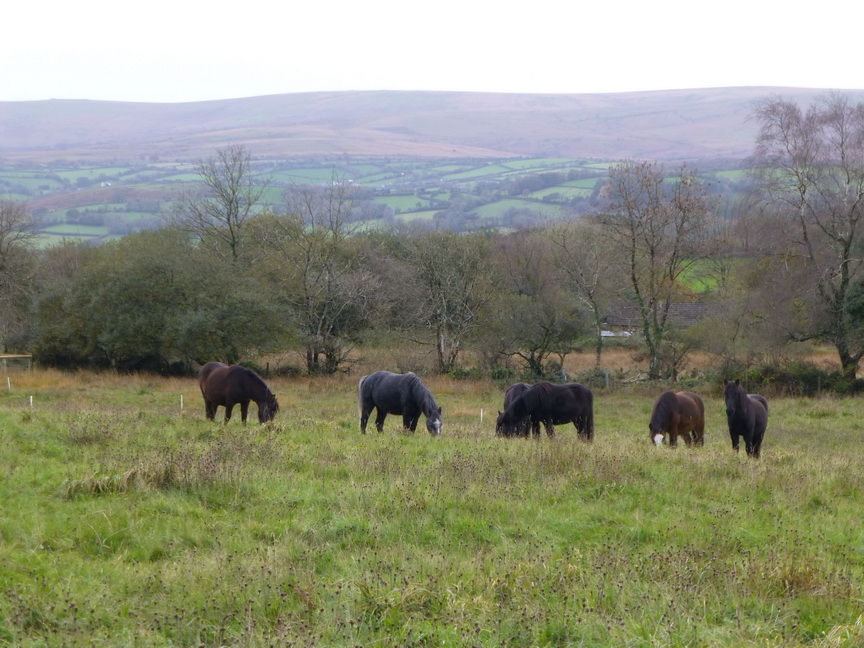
{"x": 83, "y": 201}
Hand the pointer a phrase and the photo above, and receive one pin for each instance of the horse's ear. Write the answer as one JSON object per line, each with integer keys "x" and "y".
{"x": 737, "y": 383}
{"x": 439, "y": 409}
{"x": 725, "y": 382}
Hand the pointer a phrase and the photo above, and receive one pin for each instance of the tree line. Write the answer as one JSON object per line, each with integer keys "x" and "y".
{"x": 226, "y": 279}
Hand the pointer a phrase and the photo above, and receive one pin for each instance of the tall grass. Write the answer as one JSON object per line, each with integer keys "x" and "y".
{"x": 127, "y": 521}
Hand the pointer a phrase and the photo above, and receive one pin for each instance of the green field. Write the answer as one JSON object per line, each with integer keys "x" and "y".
{"x": 128, "y": 521}
{"x": 70, "y": 229}
{"x": 404, "y": 203}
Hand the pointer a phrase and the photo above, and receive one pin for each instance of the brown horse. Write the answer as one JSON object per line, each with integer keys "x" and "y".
{"x": 678, "y": 414}
{"x": 226, "y": 385}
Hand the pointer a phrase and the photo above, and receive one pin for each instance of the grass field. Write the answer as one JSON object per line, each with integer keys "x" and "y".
{"x": 128, "y": 521}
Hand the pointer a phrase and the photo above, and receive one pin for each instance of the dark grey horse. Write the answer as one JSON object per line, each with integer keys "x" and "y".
{"x": 403, "y": 394}
{"x": 747, "y": 415}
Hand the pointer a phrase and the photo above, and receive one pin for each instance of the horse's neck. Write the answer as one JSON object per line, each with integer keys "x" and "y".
{"x": 743, "y": 404}
{"x": 521, "y": 407}
{"x": 428, "y": 405}
{"x": 258, "y": 388}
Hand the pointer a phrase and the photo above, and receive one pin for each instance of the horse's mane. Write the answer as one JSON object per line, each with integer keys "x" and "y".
{"x": 421, "y": 393}
{"x": 255, "y": 378}
{"x": 664, "y": 406}
{"x": 530, "y": 399}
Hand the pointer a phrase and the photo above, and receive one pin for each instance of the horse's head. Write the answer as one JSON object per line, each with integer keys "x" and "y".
{"x": 656, "y": 434}
{"x": 434, "y": 423}
{"x": 507, "y": 426}
{"x": 732, "y": 394}
{"x": 267, "y": 410}
{"x": 499, "y": 424}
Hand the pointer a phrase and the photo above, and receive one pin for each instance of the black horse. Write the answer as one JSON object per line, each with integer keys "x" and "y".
{"x": 552, "y": 405}
{"x": 678, "y": 414}
{"x": 747, "y": 415}
{"x": 528, "y": 425}
{"x": 226, "y": 385}
{"x": 403, "y": 394}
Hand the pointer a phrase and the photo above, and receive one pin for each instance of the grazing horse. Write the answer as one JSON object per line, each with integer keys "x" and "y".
{"x": 552, "y": 405}
{"x": 747, "y": 415}
{"x": 512, "y": 393}
{"x": 403, "y": 394}
{"x": 678, "y": 414}
{"x": 226, "y": 385}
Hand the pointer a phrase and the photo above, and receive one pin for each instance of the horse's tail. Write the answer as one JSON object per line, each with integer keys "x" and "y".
{"x": 589, "y": 417}
{"x": 360, "y": 396}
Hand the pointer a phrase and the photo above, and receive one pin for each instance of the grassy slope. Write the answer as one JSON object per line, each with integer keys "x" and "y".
{"x": 126, "y": 521}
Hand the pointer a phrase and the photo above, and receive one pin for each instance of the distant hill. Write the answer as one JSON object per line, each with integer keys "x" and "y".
{"x": 663, "y": 125}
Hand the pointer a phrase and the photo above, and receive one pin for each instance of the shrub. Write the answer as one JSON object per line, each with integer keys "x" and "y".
{"x": 798, "y": 379}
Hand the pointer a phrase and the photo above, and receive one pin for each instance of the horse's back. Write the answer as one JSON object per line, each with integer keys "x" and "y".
{"x": 208, "y": 371}
{"x": 760, "y": 416}
{"x": 691, "y": 404}
{"x": 513, "y": 392}
{"x": 384, "y": 390}
{"x": 761, "y": 400}
{"x": 570, "y": 400}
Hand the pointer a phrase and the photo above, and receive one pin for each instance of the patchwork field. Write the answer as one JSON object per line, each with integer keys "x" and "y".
{"x": 126, "y": 519}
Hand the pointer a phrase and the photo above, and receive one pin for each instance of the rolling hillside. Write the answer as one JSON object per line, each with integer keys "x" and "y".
{"x": 663, "y": 125}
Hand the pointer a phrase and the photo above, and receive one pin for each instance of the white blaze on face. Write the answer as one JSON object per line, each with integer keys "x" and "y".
{"x": 658, "y": 439}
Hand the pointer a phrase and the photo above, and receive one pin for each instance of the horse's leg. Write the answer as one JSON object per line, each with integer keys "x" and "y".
{"x": 748, "y": 443}
{"x": 210, "y": 410}
{"x": 228, "y": 407}
{"x": 409, "y": 421}
{"x": 244, "y": 410}
{"x": 379, "y": 420}
{"x": 699, "y": 435}
{"x": 550, "y": 430}
{"x": 757, "y": 445}
{"x": 735, "y": 440}
{"x": 586, "y": 428}
{"x": 687, "y": 440}
{"x": 364, "y": 418}
{"x": 673, "y": 438}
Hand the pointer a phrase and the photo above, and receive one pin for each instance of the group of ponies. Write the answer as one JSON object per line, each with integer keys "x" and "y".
{"x": 526, "y": 407}
{"x": 683, "y": 414}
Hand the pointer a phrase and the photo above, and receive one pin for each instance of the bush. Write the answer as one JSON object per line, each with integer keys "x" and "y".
{"x": 798, "y": 379}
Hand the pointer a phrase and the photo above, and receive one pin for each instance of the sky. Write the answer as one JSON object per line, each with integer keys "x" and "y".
{"x": 192, "y": 50}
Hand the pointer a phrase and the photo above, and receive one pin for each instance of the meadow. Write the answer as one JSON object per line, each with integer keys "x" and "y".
{"x": 128, "y": 520}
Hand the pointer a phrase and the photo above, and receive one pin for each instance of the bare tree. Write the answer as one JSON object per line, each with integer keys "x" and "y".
{"x": 536, "y": 317}
{"x": 17, "y": 230}
{"x": 321, "y": 272}
{"x": 581, "y": 251}
{"x": 661, "y": 228}
{"x": 811, "y": 166}
{"x": 446, "y": 284}
{"x": 219, "y": 210}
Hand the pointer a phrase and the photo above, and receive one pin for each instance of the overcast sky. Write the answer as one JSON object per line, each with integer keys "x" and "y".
{"x": 192, "y": 50}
